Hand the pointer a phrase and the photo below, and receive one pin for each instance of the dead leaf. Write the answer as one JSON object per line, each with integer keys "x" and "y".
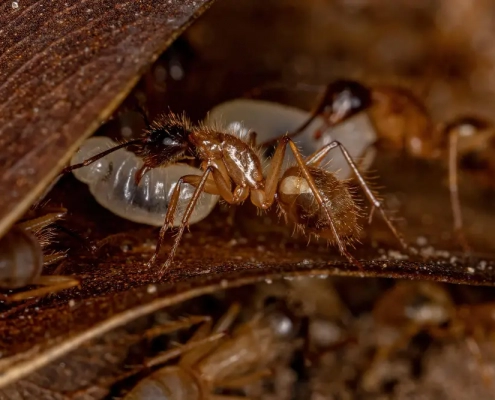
{"x": 64, "y": 67}
{"x": 117, "y": 287}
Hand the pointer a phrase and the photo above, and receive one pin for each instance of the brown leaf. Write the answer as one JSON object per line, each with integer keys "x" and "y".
{"x": 117, "y": 287}
{"x": 64, "y": 67}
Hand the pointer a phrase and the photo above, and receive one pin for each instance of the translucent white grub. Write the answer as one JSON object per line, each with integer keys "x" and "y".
{"x": 111, "y": 180}
{"x": 271, "y": 120}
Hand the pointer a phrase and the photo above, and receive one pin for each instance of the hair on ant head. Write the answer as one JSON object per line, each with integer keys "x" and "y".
{"x": 166, "y": 140}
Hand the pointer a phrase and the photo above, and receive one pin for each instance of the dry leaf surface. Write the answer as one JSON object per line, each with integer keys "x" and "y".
{"x": 64, "y": 67}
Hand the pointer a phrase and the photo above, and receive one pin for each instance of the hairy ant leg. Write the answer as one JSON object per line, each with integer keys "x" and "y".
{"x": 169, "y": 218}
{"x": 317, "y": 157}
{"x": 51, "y": 284}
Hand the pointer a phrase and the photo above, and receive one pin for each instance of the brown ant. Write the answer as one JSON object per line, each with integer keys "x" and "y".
{"x": 402, "y": 122}
{"x": 314, "y": 199}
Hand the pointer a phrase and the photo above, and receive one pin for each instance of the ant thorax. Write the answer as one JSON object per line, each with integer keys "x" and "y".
{"x": 297, "y": 203}
{"x": 272, "y": 120}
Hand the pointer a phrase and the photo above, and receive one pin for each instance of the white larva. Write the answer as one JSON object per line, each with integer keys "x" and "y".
{"x": 272, "y": 120}
{"x": 111, "y": 181}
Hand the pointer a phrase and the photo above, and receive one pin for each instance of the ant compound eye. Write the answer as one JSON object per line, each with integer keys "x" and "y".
{"x": 98, "y": 169}
{"x": 168, "y": 141}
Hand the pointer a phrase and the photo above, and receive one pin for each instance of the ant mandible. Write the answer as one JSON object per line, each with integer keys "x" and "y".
{"x": 402, "y": 122}
{"x": 314, "y": 199}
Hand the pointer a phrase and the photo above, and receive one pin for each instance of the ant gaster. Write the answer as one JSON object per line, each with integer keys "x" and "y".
{"x": 307, "y": 195}
{"x": 402, "y": 122}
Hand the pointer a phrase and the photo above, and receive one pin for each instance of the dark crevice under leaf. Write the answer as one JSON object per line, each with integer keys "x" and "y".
{"x": 64, "y": 67}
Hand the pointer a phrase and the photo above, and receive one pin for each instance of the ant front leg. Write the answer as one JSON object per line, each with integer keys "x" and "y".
{"x": 169, "y": 217}
{"x": 454, "y": 191}
{"x": 375, "y": 203}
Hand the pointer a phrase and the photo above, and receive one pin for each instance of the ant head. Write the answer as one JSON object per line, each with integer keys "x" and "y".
{"x": 166, "y": 141}
{"x": 343, "y": 99}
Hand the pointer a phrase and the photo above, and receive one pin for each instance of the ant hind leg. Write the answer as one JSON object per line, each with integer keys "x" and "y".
{"x": 375, "y": 203}
{"x": 454, "y": 193}
{"x": 303, "y": 165}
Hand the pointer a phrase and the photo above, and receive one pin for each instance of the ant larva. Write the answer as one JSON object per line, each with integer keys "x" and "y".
{"x": 402, "y": 122}
{"x": 111, "y": 181}
{"x": 210, "y": 360}
{"x": 22, "y": 258}
{"x": 309, "y": 196}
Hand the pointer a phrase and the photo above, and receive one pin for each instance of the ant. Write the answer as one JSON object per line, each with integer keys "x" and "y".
{"x": 217, "y": 356}
{"x": 402, "y": 122}
{"x": 314, "y": 199}
{"x": 22, "y": 257}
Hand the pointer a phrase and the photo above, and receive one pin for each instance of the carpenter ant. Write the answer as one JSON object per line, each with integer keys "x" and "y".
{"x": 311, "y": 197}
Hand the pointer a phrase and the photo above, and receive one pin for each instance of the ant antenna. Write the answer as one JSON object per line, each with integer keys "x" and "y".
{"x": 91, "y": 160}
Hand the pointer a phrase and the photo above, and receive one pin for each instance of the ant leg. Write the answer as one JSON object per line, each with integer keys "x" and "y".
{"x": 309, "y": 178}
{"x": 216, "y": 185}
{"x": 245, "y": 379}
{"x": 96, "y": 157}
{"x": 454, "y": 191}
{"x": 174, "y": 326}
{"x": 228, "y": 318}
{"x": 264, "y": 199}
{"x": 385, "y": 352}
{"x": 375, "y": 203}
{"x": 178, "y": 351}
{"x": 221, "y": 326}
{"x": 252, "y": 136}
{"x": 43, "y": 221}
{"x": 187, "y": 214}
{"x": 172, "y": 208}
{"x": 49, "y": 259}
{"x": 474, "y": 349}
{"x": 52, "y": 284}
